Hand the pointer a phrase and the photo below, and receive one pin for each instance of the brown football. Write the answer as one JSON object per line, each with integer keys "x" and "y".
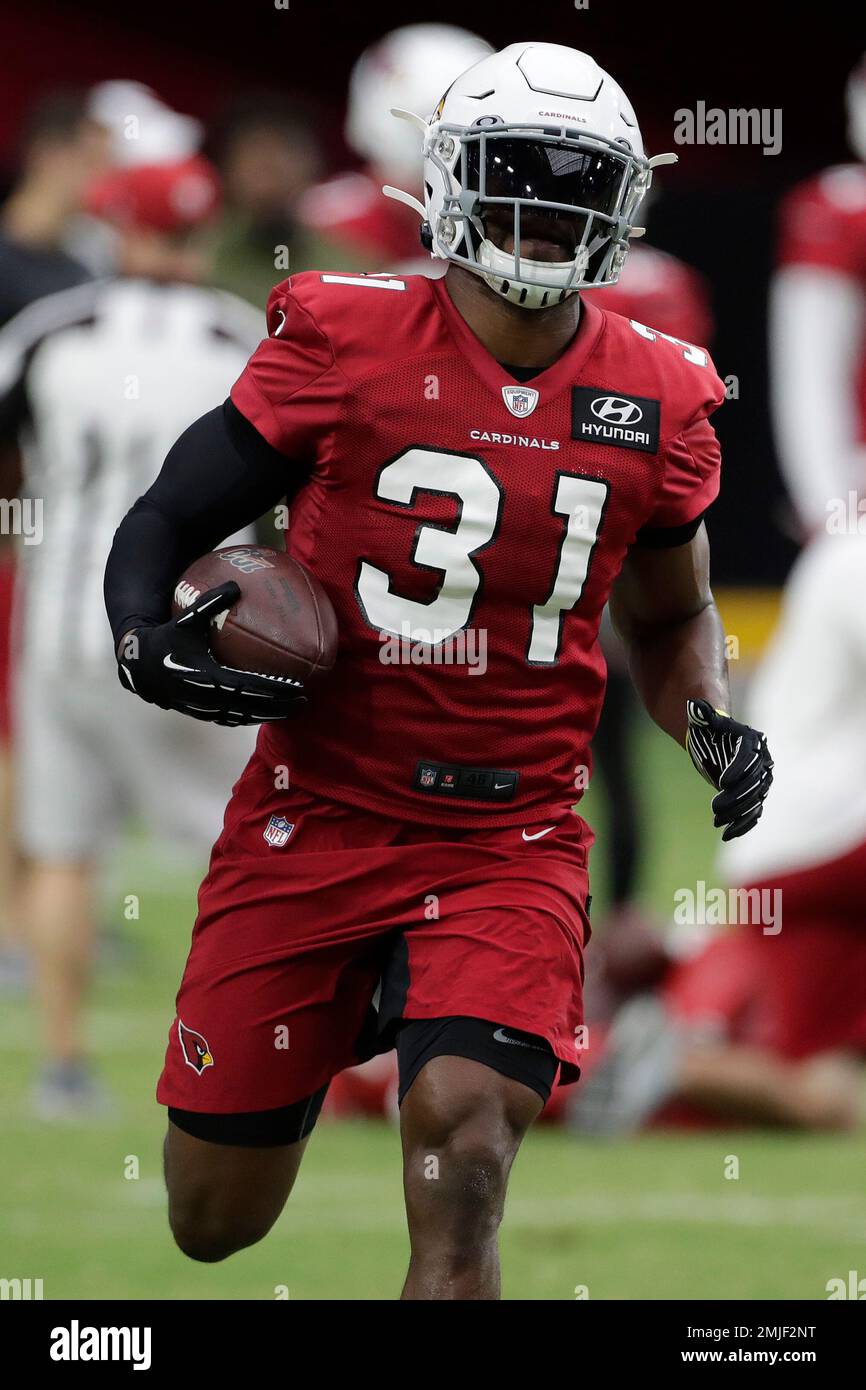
{"x": 282, "y": 624}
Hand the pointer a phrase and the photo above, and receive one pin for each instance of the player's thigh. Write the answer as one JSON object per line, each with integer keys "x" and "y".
{"x": 224, "y": 1196}
{"x": 457, "y": 1099}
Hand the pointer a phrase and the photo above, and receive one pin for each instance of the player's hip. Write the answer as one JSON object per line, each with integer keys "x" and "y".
{"x": 291, "y": 862}
{"x": 468, "y": 777}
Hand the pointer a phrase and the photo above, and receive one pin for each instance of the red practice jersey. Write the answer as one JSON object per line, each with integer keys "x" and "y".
{"x": 468, "y": 529}
{"x": 822, "y": 224}
{"x": 657, "y": 288}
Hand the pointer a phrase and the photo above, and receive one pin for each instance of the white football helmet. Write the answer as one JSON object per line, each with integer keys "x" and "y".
{"x": 408, "y": 68}
{"x": 536, "y": 140}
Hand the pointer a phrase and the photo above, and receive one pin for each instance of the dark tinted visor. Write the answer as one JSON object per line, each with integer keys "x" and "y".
{"x": 547, "y": 171}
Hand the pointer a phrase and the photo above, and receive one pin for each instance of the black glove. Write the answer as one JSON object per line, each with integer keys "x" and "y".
{"x": 733, "y": 758}
{"x": 171, "y": 666}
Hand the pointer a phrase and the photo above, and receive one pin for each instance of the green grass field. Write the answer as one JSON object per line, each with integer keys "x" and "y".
{"x": 650, "y": 1218}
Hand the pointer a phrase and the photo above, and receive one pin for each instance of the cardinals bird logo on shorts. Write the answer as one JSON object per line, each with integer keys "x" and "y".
{"x": 194, "y": 1047}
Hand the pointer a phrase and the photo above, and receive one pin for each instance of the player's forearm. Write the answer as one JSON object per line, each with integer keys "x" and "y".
{"x": 675, "y": 661}
{"x": 148, "y": 553}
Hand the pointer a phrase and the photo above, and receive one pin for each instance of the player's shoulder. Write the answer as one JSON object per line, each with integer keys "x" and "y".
{"x": 357, "y": 313}
{"x": 640, "y": 360}
{"x": 339, "y": 294}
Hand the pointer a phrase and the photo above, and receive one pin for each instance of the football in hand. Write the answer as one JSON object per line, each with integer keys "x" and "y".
{"x": 283, "y": 624}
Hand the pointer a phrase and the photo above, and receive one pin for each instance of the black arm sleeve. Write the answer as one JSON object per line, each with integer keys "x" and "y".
{"x": 221, "y": 475}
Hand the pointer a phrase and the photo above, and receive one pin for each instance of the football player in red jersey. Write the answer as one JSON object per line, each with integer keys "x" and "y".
{"x": 476, "y": 464}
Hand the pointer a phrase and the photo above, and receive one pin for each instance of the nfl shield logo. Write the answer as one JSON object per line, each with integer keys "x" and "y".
{"x": 278, "y": 831}
{"x": 521, "y": 400}
{"x": 427, "y": 776}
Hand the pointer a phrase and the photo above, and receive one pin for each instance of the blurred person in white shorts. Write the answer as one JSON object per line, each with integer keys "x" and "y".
{"x": 97, "y": 382}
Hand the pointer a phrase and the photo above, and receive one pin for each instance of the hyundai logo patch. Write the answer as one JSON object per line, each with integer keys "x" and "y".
{"x": 604, "y": 417}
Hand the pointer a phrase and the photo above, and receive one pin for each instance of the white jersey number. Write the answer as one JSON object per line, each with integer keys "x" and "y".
{"x": 579, "y": 500}
{"x": 456, "y": 475}
{"x": 690, "y": 352}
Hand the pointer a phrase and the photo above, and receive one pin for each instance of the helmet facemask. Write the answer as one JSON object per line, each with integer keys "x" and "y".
{"x": 506, "y": 186}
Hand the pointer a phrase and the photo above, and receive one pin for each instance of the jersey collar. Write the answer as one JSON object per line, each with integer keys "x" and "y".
{"x": 561, "y": 373}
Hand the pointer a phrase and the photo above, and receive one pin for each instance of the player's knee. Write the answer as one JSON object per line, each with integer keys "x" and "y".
{"x": 460, "y": 1162}
{"x": 208, "y": 1236}
{"x": 480, "y": 1161}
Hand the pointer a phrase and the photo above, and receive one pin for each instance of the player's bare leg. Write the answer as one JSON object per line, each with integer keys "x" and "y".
{"x": 224, "y": 1197}
{"x": 12, "y": 945}
{"x": 59, "y": 910}
{"x": 462, "y": 1124}
{"x": 750, "y": 1083}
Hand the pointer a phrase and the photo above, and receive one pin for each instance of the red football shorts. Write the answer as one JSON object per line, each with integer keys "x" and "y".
{"x": 308, "y": 905}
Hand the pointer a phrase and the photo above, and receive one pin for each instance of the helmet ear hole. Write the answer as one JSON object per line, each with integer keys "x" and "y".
{"x": 426, "y": 235}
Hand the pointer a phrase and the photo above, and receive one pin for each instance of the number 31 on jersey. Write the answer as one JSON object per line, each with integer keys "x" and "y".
{"x": 580, "y": 501}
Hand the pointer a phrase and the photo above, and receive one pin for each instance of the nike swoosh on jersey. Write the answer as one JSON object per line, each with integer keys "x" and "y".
{"x": 538, "y": 834}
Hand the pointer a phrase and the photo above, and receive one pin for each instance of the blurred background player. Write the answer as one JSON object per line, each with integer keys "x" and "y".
{"x": 267, "y": 150}
{"x": 766, "y": 1023}
{"x": 818, "y": 330}
{"x": 772, "y": 1027}
{"x": 49, "y": 242}
{"x": 410, "y": 68}
{"x": 60, "y": 150}
{"x": 141, "y": 129}
{"x": 97, "y": 381}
